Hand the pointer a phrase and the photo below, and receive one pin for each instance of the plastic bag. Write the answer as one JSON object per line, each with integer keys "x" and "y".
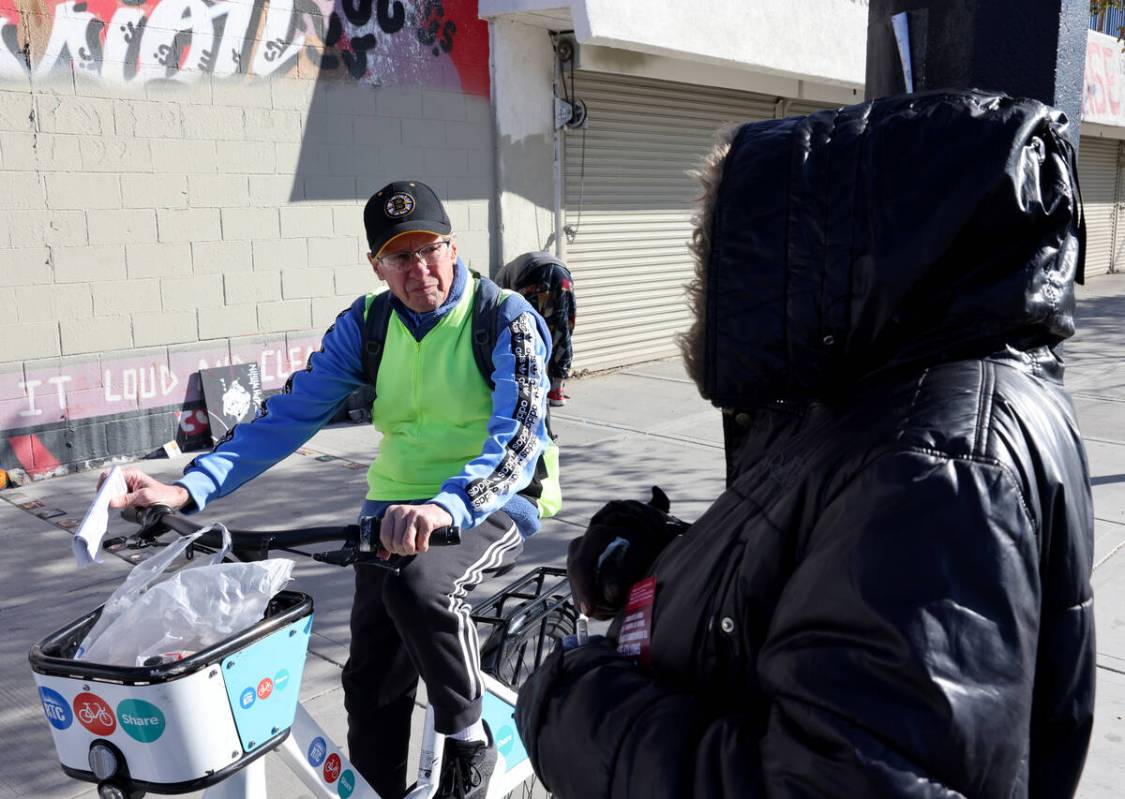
{"x": 191, "y": 610}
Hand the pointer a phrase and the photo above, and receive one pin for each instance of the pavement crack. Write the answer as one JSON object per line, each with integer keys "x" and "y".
{"x": 1103, "y": 440}
{"x": 690, "y": 440}
{"x": 660, "y": 378}
{"x": 326, "y": 659}
{"x": 1111, "y": 553}
{"x": 1098, "y": 397}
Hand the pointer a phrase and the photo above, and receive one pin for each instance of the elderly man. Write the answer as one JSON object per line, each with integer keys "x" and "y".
{"x": 459, "y": 447}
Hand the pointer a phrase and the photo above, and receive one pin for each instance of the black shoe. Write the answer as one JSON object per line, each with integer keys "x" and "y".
{"x": 466, "y": 768}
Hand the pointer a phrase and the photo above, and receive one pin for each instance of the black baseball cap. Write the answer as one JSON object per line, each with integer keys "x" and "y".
{"x": 405, "y": 206}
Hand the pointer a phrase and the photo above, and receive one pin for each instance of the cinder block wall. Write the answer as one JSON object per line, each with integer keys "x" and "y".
{"x": 185, "y": 218}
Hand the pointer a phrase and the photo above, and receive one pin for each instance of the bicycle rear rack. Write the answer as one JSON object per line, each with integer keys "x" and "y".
{"x": 521, "y": 610}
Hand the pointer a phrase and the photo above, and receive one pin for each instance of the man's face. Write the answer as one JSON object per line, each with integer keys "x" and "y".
{"x": 421, "y": 284}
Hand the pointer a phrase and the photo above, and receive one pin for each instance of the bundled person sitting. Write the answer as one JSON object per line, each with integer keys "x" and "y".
{"x": 892, "y": 598}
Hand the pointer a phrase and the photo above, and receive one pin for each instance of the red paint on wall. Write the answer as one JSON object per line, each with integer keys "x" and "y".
{"x": 32, "y": 455}
{"x": 470, "y": 49}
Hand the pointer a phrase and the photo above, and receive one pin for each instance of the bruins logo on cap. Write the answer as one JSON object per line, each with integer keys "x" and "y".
{"x": 399, "y": 204}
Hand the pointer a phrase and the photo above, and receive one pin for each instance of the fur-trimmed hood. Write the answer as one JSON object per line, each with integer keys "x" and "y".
{"x": 902, "y": 232}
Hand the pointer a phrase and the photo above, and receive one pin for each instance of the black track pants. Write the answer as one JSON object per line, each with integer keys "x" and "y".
{"x": 417, "y": 624}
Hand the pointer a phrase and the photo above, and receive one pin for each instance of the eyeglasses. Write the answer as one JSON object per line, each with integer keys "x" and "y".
{"x": 402, "y": 261}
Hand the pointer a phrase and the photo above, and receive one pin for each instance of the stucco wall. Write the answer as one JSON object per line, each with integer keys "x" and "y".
{"x": 181, "y": 185}
{"x": 822, "y": 41}
{"x": 523, "y": 61}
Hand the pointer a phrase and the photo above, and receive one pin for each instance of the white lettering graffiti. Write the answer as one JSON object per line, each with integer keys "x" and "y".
{"x": 29, "y": 389}
{"x": 182, "y": 40}
{"x": 92, "y": 388}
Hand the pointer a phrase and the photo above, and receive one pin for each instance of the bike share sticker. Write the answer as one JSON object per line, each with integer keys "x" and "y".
{"x": 500, "y": 717}
{"x": 317, "y": 750}
{"x": 94, "y": 714}
{"x": 347, "y": 784}
{"x": 143, "y": 721}
{"x": 247, "y": 698}
{"x": 505, "y": 740}
{"x": 56, "y": 709}
{"x": 636, "y": 627}
{"x": 332, "y": 768}
{"x": 265, "y": 688}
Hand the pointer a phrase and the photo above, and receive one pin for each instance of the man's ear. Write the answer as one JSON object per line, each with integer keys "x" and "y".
{"x": 375, "y": 266}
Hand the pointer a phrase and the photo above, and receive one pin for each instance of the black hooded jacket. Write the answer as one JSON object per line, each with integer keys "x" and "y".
{"x": 892, "y": 598}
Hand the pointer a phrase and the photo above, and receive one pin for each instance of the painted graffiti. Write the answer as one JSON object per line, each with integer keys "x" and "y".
{"x": 110, "y": 386}
{"x": 1103, "y": 101}
{"x": 136, "y": 42}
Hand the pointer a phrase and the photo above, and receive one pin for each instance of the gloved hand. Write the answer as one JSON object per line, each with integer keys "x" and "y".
{"x": 618, "y": 547}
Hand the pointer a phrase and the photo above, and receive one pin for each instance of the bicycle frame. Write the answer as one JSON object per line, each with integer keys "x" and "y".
{"x": 305, "y": 748}
{"x": 327, "y": 774}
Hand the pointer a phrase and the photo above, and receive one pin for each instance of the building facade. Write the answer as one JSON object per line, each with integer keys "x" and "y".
{"x": 181, "y": 181}
{"x": 181, "y": 187}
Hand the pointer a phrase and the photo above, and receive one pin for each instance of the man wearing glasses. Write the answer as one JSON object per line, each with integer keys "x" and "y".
{"x": 453, "y": 451}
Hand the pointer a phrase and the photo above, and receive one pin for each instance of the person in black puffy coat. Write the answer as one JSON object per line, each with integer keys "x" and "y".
{"x": 892, "y": 598}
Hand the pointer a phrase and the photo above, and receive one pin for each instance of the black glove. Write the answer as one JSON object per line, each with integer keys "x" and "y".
{"x": 617, "y": 549}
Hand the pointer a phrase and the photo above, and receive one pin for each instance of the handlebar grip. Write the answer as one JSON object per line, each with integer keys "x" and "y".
{"x": 446, "y": 536}
{"x": 132, "y": 514}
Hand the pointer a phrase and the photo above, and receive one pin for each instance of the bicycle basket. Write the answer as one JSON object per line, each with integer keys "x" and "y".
{"x": 183, "y": 725}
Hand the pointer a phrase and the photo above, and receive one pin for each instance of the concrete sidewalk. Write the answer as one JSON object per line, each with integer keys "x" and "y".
{"x": 621, "y": 433}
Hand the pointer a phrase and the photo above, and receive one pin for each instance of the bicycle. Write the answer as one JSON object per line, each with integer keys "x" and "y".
{"x": 222, "y": 750}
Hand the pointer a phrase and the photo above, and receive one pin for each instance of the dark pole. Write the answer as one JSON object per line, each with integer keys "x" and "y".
{"x": 1026, "y": 48}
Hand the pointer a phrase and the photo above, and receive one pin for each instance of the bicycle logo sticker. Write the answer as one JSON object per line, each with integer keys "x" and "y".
{"x": 56, "y": 709}
{"x": 142, "y": 720}
{"x": 247, "y": 698}
{"x": 280, "y": 680}
{"x": 317, "y": 750}
{"x": 347, "y": 784}
{"x": 265, "y": 688}
{"x": 332, "y": 768}
{"x": 505, "y": 739}
{"x": 94, "y": 714}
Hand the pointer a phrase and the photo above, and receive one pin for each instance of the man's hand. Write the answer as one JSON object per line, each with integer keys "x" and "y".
{"x": 406, "y": 529}
{"x": 145, "y": 491}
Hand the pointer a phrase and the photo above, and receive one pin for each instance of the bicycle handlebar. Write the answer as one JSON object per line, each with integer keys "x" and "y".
{"x": 360, "y": 541}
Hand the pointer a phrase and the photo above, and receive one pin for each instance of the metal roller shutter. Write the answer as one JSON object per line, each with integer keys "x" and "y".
{"x": 629, "y": 198}
{"x": 799, "y": 108}
{"x": 1117, "y": 262}
{"x": 1097, "y": 174}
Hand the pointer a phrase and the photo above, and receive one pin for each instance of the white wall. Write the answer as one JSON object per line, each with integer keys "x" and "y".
{"x": 523, "y": 64}
{"x": 822, "y": 41}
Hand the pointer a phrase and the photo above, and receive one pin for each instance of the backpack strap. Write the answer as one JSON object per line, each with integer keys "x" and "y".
{"x": 377, "y": 318}
{"x": 486, "y": 309}
{"x": 485, "y": 315}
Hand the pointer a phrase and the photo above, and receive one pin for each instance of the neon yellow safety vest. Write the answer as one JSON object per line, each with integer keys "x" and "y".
{"x": 432, "y": 406}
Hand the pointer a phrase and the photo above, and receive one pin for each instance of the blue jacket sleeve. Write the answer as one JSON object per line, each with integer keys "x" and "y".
{"x": 286, "y": 420}
{"x": 517, "y": 430}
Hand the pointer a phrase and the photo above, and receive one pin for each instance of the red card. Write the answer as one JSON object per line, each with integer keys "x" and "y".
{"x": 636, "y": 626}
